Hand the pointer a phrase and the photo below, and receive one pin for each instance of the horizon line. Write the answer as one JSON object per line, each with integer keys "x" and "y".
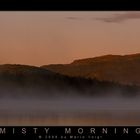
{"x": 129, "y": 54}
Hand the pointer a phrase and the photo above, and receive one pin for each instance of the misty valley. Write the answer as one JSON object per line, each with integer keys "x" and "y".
{"x": 46, "y": 95}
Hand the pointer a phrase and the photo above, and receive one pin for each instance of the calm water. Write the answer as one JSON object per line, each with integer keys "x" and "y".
{"x": 70, "y": 111}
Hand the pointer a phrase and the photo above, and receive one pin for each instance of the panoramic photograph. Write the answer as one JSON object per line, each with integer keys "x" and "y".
{"x": 70, "y": 68}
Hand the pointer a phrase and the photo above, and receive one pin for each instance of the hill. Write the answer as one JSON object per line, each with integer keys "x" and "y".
{"x": 123, "y": 69}
{"x": 23, "y": 80}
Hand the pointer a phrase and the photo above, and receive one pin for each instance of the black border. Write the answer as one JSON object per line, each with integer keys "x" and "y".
{"x": 68, "y": 5}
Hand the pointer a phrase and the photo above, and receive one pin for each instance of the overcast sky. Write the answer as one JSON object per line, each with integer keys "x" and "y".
{"x": 39, "y": 38}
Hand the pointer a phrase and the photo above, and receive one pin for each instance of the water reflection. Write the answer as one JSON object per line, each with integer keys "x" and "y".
{"x": 70, "y": 111}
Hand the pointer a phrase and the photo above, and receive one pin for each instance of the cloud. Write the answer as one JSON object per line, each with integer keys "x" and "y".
{"x": 73, "y": 18}
{"x": 116, "y": 18}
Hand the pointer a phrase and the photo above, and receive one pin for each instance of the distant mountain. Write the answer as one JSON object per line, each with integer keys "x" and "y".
{"x": 123, "y": 69}
{"x": 23, "y": 80}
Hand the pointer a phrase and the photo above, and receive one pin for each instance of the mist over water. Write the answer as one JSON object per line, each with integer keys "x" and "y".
{"x": 69, "y": 110}
{"x": 70, "y": 103}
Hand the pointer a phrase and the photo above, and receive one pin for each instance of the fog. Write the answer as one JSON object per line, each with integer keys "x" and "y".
{"x": 69, "y": 109}
{"x": 69, "y": 103}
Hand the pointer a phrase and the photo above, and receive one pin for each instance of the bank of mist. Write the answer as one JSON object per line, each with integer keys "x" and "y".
{"x": 28, "y": 91}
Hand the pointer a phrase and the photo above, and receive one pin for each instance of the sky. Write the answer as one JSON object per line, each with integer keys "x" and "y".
{"x": 52, "y": 37}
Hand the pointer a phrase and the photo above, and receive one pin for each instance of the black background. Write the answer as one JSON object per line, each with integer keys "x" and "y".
{"x": 68, "y": 5}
